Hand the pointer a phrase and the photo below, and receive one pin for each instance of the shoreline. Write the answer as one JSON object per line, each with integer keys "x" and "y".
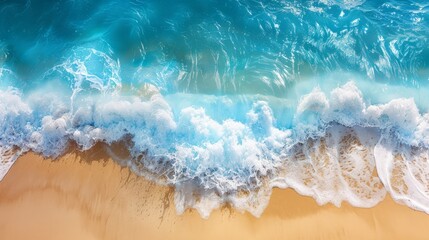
{"x": 88, "y": 196}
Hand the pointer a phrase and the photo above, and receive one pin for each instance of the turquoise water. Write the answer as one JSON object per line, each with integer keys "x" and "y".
{"x": 215, "y": 97}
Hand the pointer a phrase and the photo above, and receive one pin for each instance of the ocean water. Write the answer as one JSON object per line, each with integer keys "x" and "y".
{"x": 226, "y": 99}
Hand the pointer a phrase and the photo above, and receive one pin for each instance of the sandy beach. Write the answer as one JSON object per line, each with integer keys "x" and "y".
{"x": 88, "y": 196}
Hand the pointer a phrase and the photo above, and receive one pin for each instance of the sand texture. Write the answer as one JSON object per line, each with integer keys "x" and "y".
{"x": 88, "y": 196}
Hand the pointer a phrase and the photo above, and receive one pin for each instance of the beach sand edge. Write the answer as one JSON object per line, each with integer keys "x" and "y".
{"x": 88, "y": 196}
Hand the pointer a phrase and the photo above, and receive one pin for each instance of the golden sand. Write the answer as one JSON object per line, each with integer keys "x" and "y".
{"x": 87, "y": 196}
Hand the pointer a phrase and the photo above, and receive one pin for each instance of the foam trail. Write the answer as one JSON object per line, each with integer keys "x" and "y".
{"x": 7, "y": 160}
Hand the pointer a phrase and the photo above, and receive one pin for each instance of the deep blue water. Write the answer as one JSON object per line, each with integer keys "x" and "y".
{"x": 228, "y": 47}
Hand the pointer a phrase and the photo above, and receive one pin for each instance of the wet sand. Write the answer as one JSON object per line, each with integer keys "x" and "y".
{"x": 87, "y": 196}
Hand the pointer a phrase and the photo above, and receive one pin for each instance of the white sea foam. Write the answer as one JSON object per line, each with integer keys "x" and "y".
{"x": 339, "y": 148}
